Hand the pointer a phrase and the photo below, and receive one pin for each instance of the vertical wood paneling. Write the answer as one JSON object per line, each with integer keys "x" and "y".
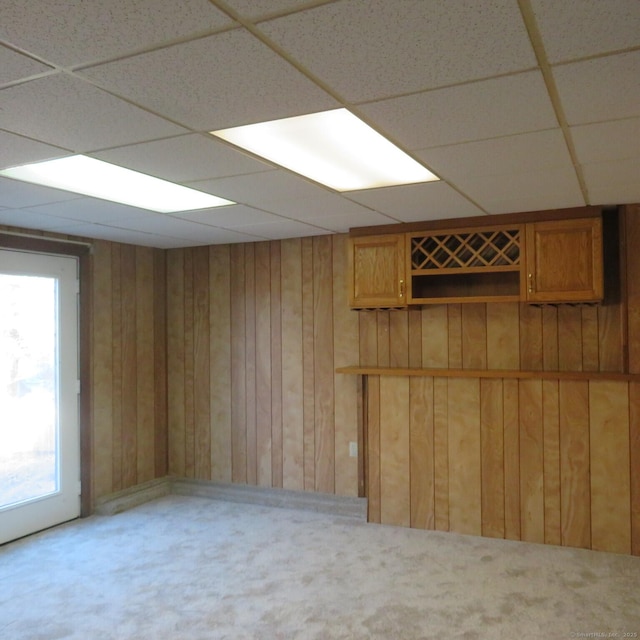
{"x": 569, "y": 338}
{"x": 503, "y": 349}
{"x": 511, "y": 460}
{"x": 474, "y": 336}
{"x": 189, "y": 374}
{"x": 454, "y": 322}
{"x": 263, "y": 363}
{"x": 399, "y": 338}
{"x": 395, "y": 487}
{"x": 465, "y": 500}
{"x": 492, "y": 461}
{"x": 368, "y": 334}
{"x": 238, "y": 365}
{"x": 531, "y": 337}
{"x": 550, "y": 338}
{"x": 634, "y": 461}
{"x": 373, "y": 449}
{"x": 292, "y": 366}
{"x": 160, "y": 370}
{"x": 345, "y": 352}
{"x": 551, "y": 453}
{"x": 308, "y": 365}
{"x": 610, "y": 470}
{"x": 531, "y": 461}
{"x": 441, "y": 453}
{"x": 590, "y": 343}
{"x": 116, "y": 366}
{"x": 575, "y": 492}
{"x": 102, "y": 365}
{"x": 632, "y": 281}
{"x": 220, "y": 360}
{"x": 250, "y": 363}
{"x": 415, "y": 338}
{"x": 384, "y": 345}
{"x": 276, "y": 364}
{"x": 323, "y": 373}
{"x": 145, "y": 358}
{"x": 435, "y": 336}
{"x": 201, "y": 364}
{"x": 421, "y": 452}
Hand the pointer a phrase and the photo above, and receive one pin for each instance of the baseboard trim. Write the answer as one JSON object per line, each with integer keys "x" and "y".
{"x": 347, "y": 506}
{"x": 132, "y": 497}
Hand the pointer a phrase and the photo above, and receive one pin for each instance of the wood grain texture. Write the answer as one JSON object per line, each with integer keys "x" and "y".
{"x": 492, "y": 458}
{"x": 575, "y": 492}
{"x": 634, "y": 460}
{"x": 441, "y": 452}
{"x": 276, "y": 364}
{"x": 510, "y": 399}
{"x": 435, "y": 336}
{"x": 373, "y": 449}
{"x": 421, "y": 452}
{"x": 308, "y": 366}
{"x": 395, "y": 483}
{"x": 474, "y": 335}
{"x": 551, "y": 462}
{"x": 503, "y": 335}
{"x": 465, "y": 502}
{"x": 250, "y": 364}
{"x": 189, "y": 374}
{"x": 531, "y": 337}
{"x": 610, "y": 467}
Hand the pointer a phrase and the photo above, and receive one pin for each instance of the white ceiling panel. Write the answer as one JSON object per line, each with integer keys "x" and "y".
{"x": 30, "y": 219}
{"x": 185, "y": 158}
{"x": 342, "y": 223}
{"x": 366, "y": 50}
{"x": 115, "y": 234}
{"x": 261, "y": 189}
{"x": 415, "y": 202}
{"x": 17, "y": 195}
{"x": 221, "y": 81}
{"x": 513, "y": 155}
{"x": 314, "y": 208}
{"x": 14, "y": 65}
{"x": 76, "y": 32}
{"x": 526, "y": 191}
{"x": 67, "y": 112}
{"x": 608, "y": 141}
{"x": 229, "y": 217}
{"x": 573, "y": 30}
{"x": 283, "y": 229}
{"x": 600, "y": 89}
{"x": 614, "y": 182}
{"x": 16, "y": 150}
{"x": 497, "y": 107}
{"x": 255, "y": 9}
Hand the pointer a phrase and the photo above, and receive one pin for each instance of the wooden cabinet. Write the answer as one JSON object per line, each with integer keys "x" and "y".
{"x": 564, "y": 261}
{"x": 377, "y": 271}
{"x": 540, "y": 262}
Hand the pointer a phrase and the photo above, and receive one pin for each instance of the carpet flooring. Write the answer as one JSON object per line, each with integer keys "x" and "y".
{"x": 193, "y": 568}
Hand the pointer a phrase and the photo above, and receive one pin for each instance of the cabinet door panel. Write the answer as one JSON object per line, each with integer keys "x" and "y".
{"x": 564, "y": 261}
{"x": 377, "y": 271}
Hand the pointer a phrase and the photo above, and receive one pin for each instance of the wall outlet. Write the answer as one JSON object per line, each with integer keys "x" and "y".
{"x": 353, "y": 449}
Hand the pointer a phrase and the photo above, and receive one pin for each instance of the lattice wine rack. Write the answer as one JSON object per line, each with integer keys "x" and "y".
{"x": 472, "y": 251}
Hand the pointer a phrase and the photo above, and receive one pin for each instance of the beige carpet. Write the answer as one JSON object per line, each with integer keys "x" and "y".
{"x": 192, "y": 568}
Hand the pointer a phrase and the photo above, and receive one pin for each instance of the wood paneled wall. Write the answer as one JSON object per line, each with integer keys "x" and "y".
{"x": 255, "y": 332}
{"x": 128, "y": 366}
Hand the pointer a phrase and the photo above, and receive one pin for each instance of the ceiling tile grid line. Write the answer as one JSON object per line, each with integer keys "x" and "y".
{"x": 515, "y": 104}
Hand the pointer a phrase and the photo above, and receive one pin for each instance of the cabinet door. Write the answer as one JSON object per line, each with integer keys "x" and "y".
{"x": 377, "y": 271}
{"x": 564, "y": 261}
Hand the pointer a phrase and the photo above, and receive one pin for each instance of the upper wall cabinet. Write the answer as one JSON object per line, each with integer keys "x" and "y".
{"x": 377, "y": 272}
{"x": 564, "y": 261}
{"x": 552, "y": 261}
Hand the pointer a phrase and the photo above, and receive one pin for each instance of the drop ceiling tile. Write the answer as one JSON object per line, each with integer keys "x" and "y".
{"x": 283, "y": 229}
{"x": 260, "y": 189}
{"x": 601, "y": 89}
{"x": 496, "y": 107}
{"x": 14, "y": 65}
{"x": 32, "y": 219}
{"x": 115, "y": 234}
{"x": 16, "y": 150}
{"x": 579, "y": 29}
{"x": 94, "y": 210}
{"x": 417, "y": 202}
{"x": 511, "y": 155}
{"x": 72, "y": 33}
{"x": 613, "y": 182}
{"x": 253, "y": 9}
{"x": 314, "y": 208}
{"x": 230, "y": 79}
{"x": 374, "y": 49}
{"x": 342, "y": 223}
{"x": 185, "y": 158}
{"x": 607, "y": 140}
{"x": 68, "y": 112}
{"x": 16, "y": 195}
{"x": 553, "y": 188}
{"x": 228, "y": 217}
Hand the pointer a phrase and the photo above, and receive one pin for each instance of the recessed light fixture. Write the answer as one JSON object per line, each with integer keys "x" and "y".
{"x": 334, "y": 148}
{"x": 91, "y": 177}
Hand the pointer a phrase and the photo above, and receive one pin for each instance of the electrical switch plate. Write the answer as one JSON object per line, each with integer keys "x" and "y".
{"x": 353, "y": 449}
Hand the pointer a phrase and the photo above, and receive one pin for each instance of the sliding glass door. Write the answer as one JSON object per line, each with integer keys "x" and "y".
{"x": 39, "y": 426}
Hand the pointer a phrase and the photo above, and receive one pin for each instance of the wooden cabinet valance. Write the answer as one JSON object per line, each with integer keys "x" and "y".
{"x": 548, "y": 261}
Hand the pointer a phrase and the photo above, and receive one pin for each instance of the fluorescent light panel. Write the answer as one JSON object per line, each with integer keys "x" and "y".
{"x": 334, "y": 148}
{"x": 91, "y": 177}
